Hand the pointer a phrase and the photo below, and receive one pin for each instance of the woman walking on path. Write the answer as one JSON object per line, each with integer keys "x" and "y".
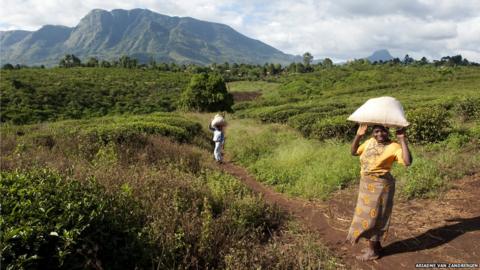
{"x": 219, "y": 139}
{"x": 377, "y": 186}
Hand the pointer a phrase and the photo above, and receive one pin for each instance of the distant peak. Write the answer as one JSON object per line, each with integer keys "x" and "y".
{"x": 97, "y": 11}
{"x": 380, "y": 55}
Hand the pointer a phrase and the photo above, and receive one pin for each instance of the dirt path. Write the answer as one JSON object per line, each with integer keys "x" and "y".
{"x": 446, "y": 230}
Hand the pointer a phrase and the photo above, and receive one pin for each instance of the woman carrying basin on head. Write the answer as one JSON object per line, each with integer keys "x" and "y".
{"x": 377, "y": 186}
{"x": 217, "y": 126}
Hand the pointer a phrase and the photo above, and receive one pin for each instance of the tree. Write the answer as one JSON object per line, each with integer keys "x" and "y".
{"x": 271, "y": 69}
{"x": 327, "y": 62}
{"x": 206, "y": 92}
{"x": 299, "y": 68}
{"x": 8, "y": 66}
{"x": 127, "y": 62}
{"x": 395, "y": 61}
{"x": 292, "y": 67}
{"x": 92, "y": 62}
{"x": 152, "y": 63}
{"x": 70, "y": 60}
{"x": 456, "y": 60}
{"x": 278, "y": 68}
{"x": 307, "y": 59}
{"x": 105, "y": 64}
{"x": 407, "y": 60}
{"x": 423, "y": 61}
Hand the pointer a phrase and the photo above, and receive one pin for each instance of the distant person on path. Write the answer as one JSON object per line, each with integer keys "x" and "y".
{"x": 219, "y": 139}
{"x": 377, "y": 186}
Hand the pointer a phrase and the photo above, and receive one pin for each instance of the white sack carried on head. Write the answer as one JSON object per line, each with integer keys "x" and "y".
{"x": 385, "y": 111}
{"x": 218, "y": 120}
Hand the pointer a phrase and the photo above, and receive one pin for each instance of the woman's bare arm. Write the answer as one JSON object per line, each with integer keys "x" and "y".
{"x": 406, "y": 155}
{"x": 356, "y": 141}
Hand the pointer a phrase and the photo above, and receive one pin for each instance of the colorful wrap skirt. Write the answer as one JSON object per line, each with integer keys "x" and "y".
{"x": 374, "y": 207}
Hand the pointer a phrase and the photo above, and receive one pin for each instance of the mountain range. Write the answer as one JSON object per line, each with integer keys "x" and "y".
{"x": 139, "y": 33}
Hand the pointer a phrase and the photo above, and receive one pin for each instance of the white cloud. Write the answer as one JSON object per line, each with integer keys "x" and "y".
{"x": 340, "y": 29}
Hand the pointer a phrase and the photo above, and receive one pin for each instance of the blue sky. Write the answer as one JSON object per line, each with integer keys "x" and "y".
{"x": 339, "y": 29}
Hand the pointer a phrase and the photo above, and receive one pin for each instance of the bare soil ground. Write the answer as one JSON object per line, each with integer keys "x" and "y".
{"x": 442, "y": 230}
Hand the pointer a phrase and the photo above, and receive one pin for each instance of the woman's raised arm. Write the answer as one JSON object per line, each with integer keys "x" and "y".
{"x": 406, "y": 155}
{"x": 356, "y": 141}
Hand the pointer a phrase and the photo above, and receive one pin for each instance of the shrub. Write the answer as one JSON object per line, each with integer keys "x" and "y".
{"x": 305, "y": 121}
{"x": 475, "y": 131}
{"x": 52, "y": 222}
{"x": 206, "y": 93}
{"x": 333, "y": 127}
{"x": 468, "y": 108}
{"x": 277, "y": 115}
{"x": 428, "y": 124}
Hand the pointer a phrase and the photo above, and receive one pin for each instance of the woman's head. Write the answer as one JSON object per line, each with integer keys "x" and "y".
{"x": 380, "y": 133}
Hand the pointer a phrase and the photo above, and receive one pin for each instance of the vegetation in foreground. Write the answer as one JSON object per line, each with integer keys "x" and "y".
{"x": 72, "y": 203}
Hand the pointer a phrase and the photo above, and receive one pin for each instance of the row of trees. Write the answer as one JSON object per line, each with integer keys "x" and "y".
{"x": 451, "y": 61}
{"x": 246, "y": 71}
{"x": 70, "y": 60}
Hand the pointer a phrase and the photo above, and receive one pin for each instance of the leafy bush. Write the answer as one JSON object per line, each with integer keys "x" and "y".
{"x": 468, "y": 108}
{"x": 304, "y": 122}
{"x": 475, "y": 131}
{"x": 428, "y": 124}
{"x": 206, "y": 92}
{"x": 333, "y": 127}
{"x": 277, "y": 115}
{"x": 50, "y": 222}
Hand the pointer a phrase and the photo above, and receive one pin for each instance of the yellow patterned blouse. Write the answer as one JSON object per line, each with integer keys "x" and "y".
{"x": 377, "y": 158}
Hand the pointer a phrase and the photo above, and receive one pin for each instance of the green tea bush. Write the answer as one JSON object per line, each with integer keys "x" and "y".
{"x": 120, "y": 129}
{"x": 333, "y": 127}
{"x": 278, "y": 115}
{"x": 468, "y": 108}
{"x": 295, "y": 88}
{"x": 305, "y": 121}
{"x": 239, "y": 106}
{"x": 427, "y": 124}
{"x": 474, "y": 132}
{"x": 36, "y": 95}
{"x": 49, "y": 222}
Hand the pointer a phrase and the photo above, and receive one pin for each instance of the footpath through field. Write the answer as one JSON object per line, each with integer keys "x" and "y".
{"x": 445, "y": 230}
